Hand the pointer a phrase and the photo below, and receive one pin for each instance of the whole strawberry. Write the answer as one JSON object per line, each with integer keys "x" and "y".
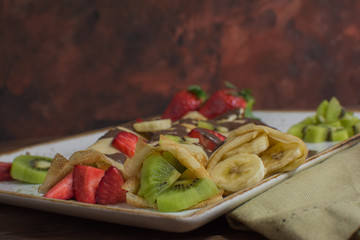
{"x": 184, "y": 102}
{"x": 224, "y": 100}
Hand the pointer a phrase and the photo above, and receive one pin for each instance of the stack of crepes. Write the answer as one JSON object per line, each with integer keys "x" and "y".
{"x": 249, "y": 154}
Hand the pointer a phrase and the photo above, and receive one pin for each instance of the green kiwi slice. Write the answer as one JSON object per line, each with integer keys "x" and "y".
{"x": 169, "y": 157}
{"x": 30, "y": 169}
{"x": 156, "y": 176}
{"x": 315, "y": 133}
{"x": 339, "y": 134}
{"x": 186, "y": 193}
{"x": 297, "y": 130}
{"x": 334, "y": 110}
{"x": 321, "y": 111}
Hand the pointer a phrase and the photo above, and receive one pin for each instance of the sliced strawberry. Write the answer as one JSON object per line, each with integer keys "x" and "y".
{"x": 184, "y": 102}
{"x": 125, "y": 142}
{"x": 86, "y": 182}
{"x": 109, "y": 190}
{"x": 63, "y": 189}
{"x": 207, "y": 138}
{"x": 219, "y": 135}
{"x": 5, "y": 168}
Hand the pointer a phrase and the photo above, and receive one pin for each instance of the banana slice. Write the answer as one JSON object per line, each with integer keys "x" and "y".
{"x": 152, "y": 126}
{"x": 280, "y": 155}
{"x": 238, "y": 172}
{"x": 256, "y": 146}
{"x": 229, "y": 145}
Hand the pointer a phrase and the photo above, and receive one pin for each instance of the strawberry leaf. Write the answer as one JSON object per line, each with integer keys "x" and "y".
{"x": 198, "y": 92}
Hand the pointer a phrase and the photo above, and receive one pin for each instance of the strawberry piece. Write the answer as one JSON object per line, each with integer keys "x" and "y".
{"x": 222, "y": 101}
{"x": 184, "y": 102}
{"x": 207, "y": 138}
{"x": 86, "y": 182}
{"x": 219, "y": 135}
{"x": 125, "y": 142}
{"x": 109, "y": 190}
{"x": 5, "y": 168}
{"x": 63, "y": 189}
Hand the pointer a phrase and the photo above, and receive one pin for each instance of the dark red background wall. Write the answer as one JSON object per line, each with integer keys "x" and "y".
{"x": 72, "y": 66}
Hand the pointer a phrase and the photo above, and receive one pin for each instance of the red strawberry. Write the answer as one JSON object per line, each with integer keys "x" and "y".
{"x": 109, "y": 190}
{"x": 125, "y": 142}
{"x": 224, "y": 100}
{"x": 86, "y": 182}
{"x": 207, "y": 138}
{"x": 5, "y": 168}
{"x": 63, "y": 189}
{"x": 184, "y": 102}
{"x": 220, "y": 136}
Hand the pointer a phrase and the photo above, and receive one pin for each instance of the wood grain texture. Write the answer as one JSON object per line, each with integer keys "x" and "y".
{"x": 71, "y": 66}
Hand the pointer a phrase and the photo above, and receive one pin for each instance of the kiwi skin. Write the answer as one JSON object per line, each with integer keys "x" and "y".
{"x": 186, "y": 193}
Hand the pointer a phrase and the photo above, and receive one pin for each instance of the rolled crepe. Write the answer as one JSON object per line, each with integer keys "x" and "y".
{"x": 279, "y": 151}
{"x": 191, "y": 156}
{"x": 61, "y": 166}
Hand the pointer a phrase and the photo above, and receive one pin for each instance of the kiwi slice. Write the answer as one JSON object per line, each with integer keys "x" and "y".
{"x": 315, "y": 133}
{"x": 334, "y": 110}
{"x": 297, "y": 130}
{"x": 30, "y": 169}
{"x": 339, "y": 134}
{"x": 206, "y": 125}
{"x": 186, "y": 193}
{"x": 170, "y": 158}
{"x": 321, "y": 111}
{"x": 157, "y": 175}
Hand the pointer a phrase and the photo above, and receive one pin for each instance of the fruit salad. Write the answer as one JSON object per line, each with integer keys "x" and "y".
{"x": 197, "y": 152}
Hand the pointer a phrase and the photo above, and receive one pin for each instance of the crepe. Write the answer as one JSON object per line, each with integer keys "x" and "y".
{"x": 278, "y": 151}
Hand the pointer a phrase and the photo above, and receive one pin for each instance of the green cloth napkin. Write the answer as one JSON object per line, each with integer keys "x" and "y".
{"x": 322, "y": 202}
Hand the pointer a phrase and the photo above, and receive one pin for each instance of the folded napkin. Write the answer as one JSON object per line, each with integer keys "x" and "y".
{"x": 322, "y": 202}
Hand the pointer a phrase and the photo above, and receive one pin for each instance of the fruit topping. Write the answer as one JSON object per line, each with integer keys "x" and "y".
{"x": 224, "y": 100}
{"x": 157, "y": 175}
{"x": 207, "y": 138}
{"x": 183, "y": 102}
{"x": 238, "y": 172}
{"x": 109, "y": 190}
{"x": 125, "y": 142}
{"x": 5, "y": 168}
{"x": 152, "y": 125}
{"x": 186, "y": 193}
{"x": 63, "y": 189}
{"x": 86, "y": 182}
{"x": 30, "y": 169}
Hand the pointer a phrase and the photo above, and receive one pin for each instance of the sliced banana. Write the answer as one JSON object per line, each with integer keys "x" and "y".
{"x": 255, "y": 146}
{"x": 229, "y": 145}
{"x": 238, "y": 172}
{"x": 152, "y": 126}
{"x": 104, "y": 145}
{"x": 280, "y": 155}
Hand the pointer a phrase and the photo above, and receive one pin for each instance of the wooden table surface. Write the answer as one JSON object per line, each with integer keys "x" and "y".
{"x": 23, "y": 223}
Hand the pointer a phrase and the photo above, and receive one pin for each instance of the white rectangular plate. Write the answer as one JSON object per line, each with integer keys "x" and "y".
{"x": 26, "y": 195}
